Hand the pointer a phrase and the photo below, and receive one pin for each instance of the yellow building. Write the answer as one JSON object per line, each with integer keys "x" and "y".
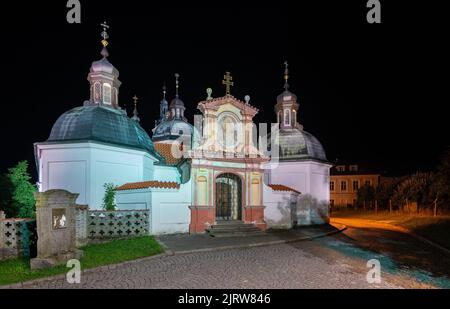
{"x": 345, "y": 180}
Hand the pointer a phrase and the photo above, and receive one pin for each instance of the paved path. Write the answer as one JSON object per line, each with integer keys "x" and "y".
{"x": 337, "y": 261}
{"x": 184, "y": 243}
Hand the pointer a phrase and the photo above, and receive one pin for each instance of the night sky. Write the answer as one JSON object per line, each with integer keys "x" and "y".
{"x": 369, "y": 93}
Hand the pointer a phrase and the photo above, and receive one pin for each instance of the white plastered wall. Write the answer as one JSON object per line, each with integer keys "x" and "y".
{"x": 84, "y": 168}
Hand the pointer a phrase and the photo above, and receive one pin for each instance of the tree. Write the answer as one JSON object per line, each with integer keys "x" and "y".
{"x": 415, "y": 188}
{"x": 365, "y": 195}
{"x": 21, "y": 202}
{"x": 440, "y": 187}
{"x": 5, "y": 197}
{"x": 109, "y": 200}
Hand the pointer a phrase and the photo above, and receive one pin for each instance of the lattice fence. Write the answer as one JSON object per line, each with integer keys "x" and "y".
{"x": 122, "y": 223}
{"x": 17, "y": 237}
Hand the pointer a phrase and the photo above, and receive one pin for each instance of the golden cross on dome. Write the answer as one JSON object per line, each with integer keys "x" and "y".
{"x": 105, "y": 35}
{"x": 228, "y": 82}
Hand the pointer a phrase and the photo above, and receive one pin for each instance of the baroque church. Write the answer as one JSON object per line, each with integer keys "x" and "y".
{"x": 190, "y": 177}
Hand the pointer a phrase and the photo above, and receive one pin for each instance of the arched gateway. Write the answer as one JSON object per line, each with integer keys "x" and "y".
{"x": 228, "y": 201}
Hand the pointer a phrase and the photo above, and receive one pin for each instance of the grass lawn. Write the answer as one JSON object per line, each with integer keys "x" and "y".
{"x": 115, "y": 251}
{"x": 436, "y": 229}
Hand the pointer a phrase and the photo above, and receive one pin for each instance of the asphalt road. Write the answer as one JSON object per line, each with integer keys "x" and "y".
{"x": 338, "y": 261}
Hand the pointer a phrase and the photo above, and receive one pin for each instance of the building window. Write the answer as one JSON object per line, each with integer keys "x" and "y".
{"x": 287, "y": 117}
{"x": 355, "y": 185}
{"x": 340, "y": 168}
{"x": 368, "y": 183}
{"x": 343, "y": 185}
{"x": 332, "y": 185}
{"x": 353, "y": 168}
{"x": 107, "y": 93}
{"x": 332, "y": 203}
{"x": 97, "y": 92}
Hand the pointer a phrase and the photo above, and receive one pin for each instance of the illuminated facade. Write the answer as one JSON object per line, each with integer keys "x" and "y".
{"x": 190, "y": 178}
{"x": 345, "y": 180}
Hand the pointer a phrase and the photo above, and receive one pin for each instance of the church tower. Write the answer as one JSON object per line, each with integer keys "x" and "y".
{"x": 173, "y": 125}
{"x": 163, "y": 108}
{"x": 103, "y": 78}
{"x": 96, "y": 143}
{"x": 286, "y": 108}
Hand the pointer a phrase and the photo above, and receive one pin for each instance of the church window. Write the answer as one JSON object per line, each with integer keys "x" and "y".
{"x": 178, "y": 113}
{"x": 287, "y": 117}
{"x": 106, "y": 93}
{"x": 343, "y": 185}
{"x": 294, "y": 116}
{"x": 97, "y": 92}
{"x": 116, "y": 96}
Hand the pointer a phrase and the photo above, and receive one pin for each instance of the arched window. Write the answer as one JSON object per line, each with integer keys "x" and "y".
{"x": 107, "y": 93}
{"x": 97, "y": 92}
{"x": 287, "y": 117}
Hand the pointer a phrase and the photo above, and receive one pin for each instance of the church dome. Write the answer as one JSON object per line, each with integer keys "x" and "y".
{"x": 286, "y": 96}
{"x": 176, "y": 102}
{"x": 296, "y": 144}
{"x": 172, "y": 129}
{"x": 104, "y": 66}
{"x": 102, "y": 124}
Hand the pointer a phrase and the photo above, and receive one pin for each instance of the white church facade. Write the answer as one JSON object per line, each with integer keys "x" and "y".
{"x": 189, "y": 177}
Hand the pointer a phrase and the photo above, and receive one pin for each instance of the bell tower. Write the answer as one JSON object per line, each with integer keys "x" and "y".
{"x": 286, "y": 108}
{"x": 103, "y": 78}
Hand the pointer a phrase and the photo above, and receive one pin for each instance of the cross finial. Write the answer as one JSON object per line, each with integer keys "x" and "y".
{"x": 135, "y": 112}
{"x": 104, "y": 34}
{"x": 177, "y": 76}
{"x": 228, "y": 82}
{"x": 105, "y": 37}
{"x": 286, "y": 75}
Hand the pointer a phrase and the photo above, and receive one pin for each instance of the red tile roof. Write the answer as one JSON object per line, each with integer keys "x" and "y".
{"x": 148, "y": 184}
{"x": 283, "y": 188}
{"x": 165, "y": 150}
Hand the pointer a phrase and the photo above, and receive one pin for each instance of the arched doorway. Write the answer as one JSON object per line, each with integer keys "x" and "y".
{"x": 228, "y": 197}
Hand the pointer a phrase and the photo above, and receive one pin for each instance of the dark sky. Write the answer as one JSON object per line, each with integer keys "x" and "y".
{"x": 369, "y": 93}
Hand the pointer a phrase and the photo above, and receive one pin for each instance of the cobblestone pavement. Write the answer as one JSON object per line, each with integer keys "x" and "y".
{"x": 331, "y": 262}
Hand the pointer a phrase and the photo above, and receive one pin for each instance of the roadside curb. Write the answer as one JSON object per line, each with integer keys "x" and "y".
{"x": 340, "y": 228}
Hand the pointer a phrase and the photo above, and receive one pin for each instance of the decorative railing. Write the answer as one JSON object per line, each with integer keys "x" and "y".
{"x": 18, "y": 237}
{"x": 122, "y": 223}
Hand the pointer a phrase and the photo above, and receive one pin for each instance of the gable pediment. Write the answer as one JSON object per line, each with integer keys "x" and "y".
{"x": 217, "y": 103}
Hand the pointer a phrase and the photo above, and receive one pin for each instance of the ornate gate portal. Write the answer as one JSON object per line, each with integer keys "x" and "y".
{"x": 228, "y": 197}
